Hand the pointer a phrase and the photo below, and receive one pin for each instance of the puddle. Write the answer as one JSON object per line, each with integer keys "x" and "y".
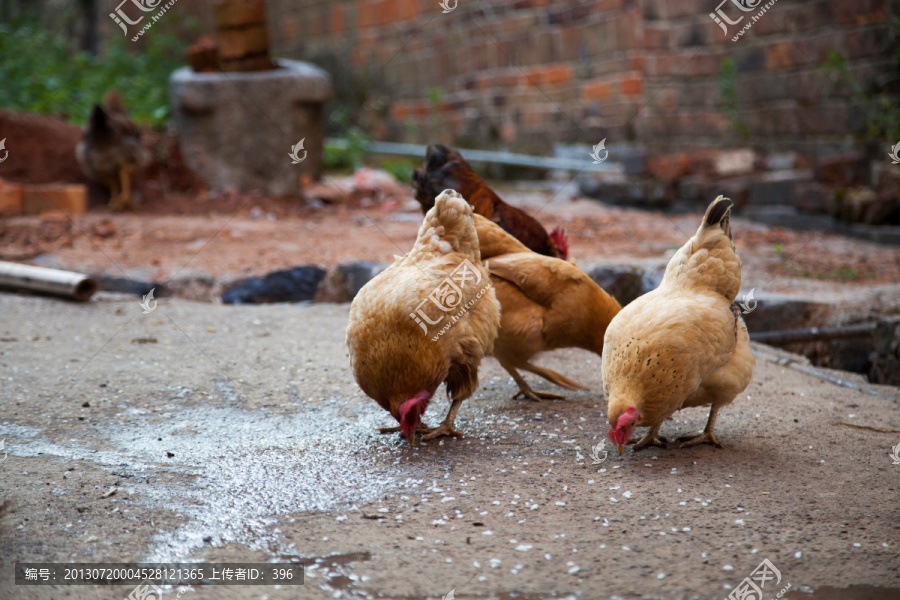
{"x": 245, "y": 469}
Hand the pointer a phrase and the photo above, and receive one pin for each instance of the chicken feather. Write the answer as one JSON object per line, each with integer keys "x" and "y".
{"x": 110, "y": 151}
{"x": 682, "y": 344}
{"x": 547, "y": 303}
{"x": 393, "y": 360}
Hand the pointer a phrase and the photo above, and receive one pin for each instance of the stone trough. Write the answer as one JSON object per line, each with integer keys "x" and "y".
{"x": 236, "y": 130}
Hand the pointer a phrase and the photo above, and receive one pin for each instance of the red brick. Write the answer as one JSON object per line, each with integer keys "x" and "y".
{"x": 780, "y": 56}
{"x": 290, "y": 27}
{"x": 557, "y": 75}
{"x": 860, "y": 12}
{"x": 631, "y": 86}
{"x": 238, "y": 43}
{"x": 409, "y": 9}
{"x": 365, "y": 13}
{"x": 670, "y": 167}
{"x": 400, "y": 111}
{"x": 70, "y": 199}
{"x": 12, "y": 198}
{"x": 238, "y": 13}
{"x": 337, "y": 19}
{"x": 595, "y": 91}
{"x": 656, "y": 36}
{"x": 627, "y": 27}
{"x": 602, "y": 6}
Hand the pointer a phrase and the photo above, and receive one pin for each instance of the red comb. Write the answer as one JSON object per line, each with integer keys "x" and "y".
{"x": 561, "y": 241}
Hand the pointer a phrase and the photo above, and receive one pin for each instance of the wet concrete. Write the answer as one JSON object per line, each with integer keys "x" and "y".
{"x": 238, "y": 434}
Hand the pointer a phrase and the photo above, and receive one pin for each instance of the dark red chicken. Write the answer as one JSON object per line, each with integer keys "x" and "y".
{"x": 445, "y": 168}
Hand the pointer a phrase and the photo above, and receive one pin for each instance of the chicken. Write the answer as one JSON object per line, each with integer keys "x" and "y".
{"x": 546, "y": 303}
{"x": 446, "y": 168}
{"x": 427, "y": 319}
{"x": 683, "y": 344}
{"x": 110, "y": 151}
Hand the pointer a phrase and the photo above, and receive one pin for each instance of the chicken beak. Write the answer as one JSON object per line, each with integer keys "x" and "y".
{"x": 411, "y": 438}
{"x": 621, "y": 449}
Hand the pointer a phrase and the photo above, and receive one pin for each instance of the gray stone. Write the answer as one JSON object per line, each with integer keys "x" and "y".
{"x": 236, "y": 130}
{"x": 782, "y": 161}
{"x": 637, "y": 194}
{"x": 777, "y": 187}
{"x": 192, "y": 285}
{"x": 771, "y": 312}
{"x": 886, "y": 357}
{"x": 299, "y": 284}
{"x": 135, "y": 287}
{"x": 343, "y": 282}
{"x": 810, "y": 197}
{"x": 625, "y": 283}
{"x": 733, "y": 162}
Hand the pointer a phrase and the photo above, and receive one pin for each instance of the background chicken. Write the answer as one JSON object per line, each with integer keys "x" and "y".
{"x": 110, "y": 151}
{"x": 683, "y": 344}
{"x": 446, "y": 168}
{"x": 546, "y": 304}
{"x": 403, "y": 343}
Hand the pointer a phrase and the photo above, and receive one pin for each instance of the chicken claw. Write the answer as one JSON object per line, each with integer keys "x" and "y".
{"x": 445, "y": 429}
{"x": 422, "y": 428}
{"x": 651, "y": 438}
{"x": 707, "y": 437}
{"x": 529, "y": 394}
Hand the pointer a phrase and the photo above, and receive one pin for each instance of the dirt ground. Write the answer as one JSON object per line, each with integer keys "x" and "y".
{"x": 203, "y": 432}
{"x": 227, "y": 234}
{"x": 238, "y": 434}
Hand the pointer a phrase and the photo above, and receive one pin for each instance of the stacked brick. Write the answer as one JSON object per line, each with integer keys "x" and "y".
{"x": 529, "y": 72}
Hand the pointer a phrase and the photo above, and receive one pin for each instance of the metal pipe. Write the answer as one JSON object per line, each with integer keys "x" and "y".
{"x": 485, "y": 156}
{"x": 67, "y": 284}
{"x": 815, "y": 334}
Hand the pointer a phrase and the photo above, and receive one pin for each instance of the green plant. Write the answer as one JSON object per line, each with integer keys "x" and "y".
{"x": 41, "y": 73}
{"x": 729, "y": 93}
{"x": 401, "y": 169}
{"x": 350, "y": 154}
{"x": 878, "y": 97}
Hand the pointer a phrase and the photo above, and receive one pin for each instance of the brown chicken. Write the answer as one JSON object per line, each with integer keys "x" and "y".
{"x": 427, "y": 319}
{"x": 546, "y": 304}
{"x": 110, "y": 151}
{"x": 683, "y": 344}
{"x": 446, "y": 168}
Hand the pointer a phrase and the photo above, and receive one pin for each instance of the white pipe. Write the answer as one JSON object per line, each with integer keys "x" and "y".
{"x": 49, "y": 281}
{"x": 485, "y": 156}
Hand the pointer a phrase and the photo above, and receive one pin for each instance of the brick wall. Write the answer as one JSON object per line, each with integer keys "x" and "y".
{"x": 523, "y": 73}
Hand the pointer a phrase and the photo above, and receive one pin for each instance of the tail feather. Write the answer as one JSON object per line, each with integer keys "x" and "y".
{"x": 432, "y": 178}
{"x": 719, "y": 213}
{"x": 451, "y": 222}
{"x": 98, "y": 124}
{"x": 708, "y": 260}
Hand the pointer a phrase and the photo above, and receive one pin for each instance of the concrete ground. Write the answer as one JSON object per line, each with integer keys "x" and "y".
{"x": 236, "y": 434}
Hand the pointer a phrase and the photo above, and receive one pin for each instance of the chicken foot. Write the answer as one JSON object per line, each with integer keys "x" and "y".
{"x": 122, "y": 199}
{"x": 707, "y": 437}
{"x": 554, "y": 377}
{"x": 446, "y": 428}
{"x": 422, "y": 428}
{"x": 651, "y": 438}
{"x": 525, "y": 390}
{"x": 114, "y": 192}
